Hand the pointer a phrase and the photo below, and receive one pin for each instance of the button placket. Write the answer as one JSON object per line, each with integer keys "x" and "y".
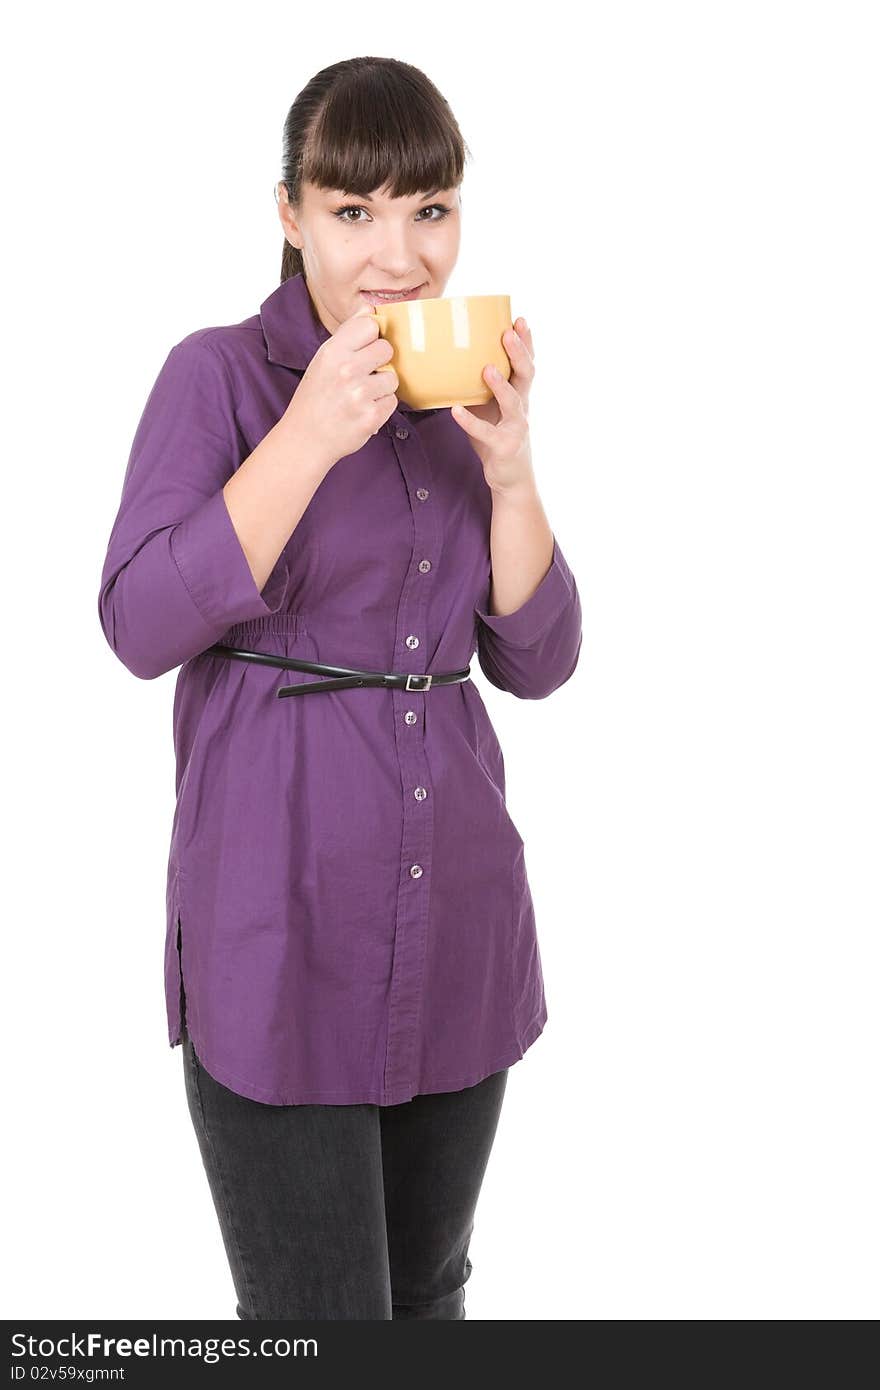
{"x": 412, "y": 643}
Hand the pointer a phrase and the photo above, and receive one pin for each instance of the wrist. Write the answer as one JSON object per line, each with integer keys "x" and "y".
{"x": 300, "y": 449}
{"x": 522, "y": 494}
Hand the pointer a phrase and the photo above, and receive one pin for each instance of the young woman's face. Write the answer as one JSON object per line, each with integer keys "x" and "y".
{"x": 353, "y": 244}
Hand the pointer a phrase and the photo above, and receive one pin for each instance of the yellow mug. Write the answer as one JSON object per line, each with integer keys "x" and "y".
{"x": 441, "y": 347}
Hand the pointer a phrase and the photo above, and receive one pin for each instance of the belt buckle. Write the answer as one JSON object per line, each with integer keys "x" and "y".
{"x": 426, "y": 678}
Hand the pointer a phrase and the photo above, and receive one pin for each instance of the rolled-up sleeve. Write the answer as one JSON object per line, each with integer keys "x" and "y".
{"x": 175, "y": 575}
{"x": 534, "y": 650}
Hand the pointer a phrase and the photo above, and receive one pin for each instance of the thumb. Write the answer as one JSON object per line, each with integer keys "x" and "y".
{"x": 365, "y": 311}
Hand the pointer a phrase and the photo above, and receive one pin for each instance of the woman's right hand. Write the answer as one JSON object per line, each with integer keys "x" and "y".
{"x": 342, "y": 400}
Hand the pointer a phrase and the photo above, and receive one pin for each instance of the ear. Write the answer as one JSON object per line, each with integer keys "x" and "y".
{"x": 285, "y": 215}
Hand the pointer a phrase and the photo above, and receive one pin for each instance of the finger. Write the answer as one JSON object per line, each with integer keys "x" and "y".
{"x": 518, "y": 350}
{"x": 361, "y": 327}
{"x": 472, "y": 425}
{"x": 384, "y": 381}
{"x": 506, "y": 394}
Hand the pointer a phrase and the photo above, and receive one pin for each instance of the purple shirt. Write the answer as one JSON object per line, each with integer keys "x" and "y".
{"x": 348, "y": 912}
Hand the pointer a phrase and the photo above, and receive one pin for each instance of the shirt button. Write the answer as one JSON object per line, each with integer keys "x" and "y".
{"x": 424, "y": 566}
{"x": 421, "y": 493}
{"x": 420, "y": 793}
{"x": 410, "y": 717}
{"x": 412, "y": 641}
{"x": 402, "y": 433}
{"x": 415, "y": 871}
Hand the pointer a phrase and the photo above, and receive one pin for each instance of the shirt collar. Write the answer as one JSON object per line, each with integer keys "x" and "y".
{"x": 293, "y": 331}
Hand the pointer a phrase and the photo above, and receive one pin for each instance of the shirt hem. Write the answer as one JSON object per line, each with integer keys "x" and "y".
{"x": 371, "y": 1095}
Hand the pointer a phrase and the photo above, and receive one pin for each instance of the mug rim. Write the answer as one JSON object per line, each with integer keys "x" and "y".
{"x": 436, "y": 299}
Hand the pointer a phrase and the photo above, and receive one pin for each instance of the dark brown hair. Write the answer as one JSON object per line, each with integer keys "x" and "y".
{"x": 366, "y": 124}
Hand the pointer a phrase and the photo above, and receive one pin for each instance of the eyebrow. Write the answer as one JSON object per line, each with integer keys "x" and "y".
{"x": 367, "y": 199}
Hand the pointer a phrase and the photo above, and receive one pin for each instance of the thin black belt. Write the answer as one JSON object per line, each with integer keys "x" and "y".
{"x": 348, "y": 678}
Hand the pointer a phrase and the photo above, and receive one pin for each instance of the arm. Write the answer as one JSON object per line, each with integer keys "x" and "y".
{"x": 189, "y": 556}
{"x": 529, "y": 636}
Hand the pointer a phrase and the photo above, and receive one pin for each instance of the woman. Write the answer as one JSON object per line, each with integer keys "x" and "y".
{"x": 351, "y": 962}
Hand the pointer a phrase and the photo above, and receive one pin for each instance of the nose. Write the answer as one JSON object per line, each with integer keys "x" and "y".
{"x": 399, "y": 264}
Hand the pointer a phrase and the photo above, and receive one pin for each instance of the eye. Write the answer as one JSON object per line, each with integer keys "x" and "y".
{"x": 340, "y": 213}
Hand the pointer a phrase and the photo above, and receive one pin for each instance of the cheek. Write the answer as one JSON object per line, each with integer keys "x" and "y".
{"x": 446, "y": 248}
{"x": 340, "y": 265}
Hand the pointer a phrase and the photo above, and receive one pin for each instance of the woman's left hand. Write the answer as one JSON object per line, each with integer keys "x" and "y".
{"x": 499, "y": 430}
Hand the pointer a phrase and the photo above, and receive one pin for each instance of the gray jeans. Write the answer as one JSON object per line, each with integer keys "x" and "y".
{"x": 345, "y": 1211}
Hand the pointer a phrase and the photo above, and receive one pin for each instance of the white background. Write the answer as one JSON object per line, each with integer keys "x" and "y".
{"x": 682, "y": 200}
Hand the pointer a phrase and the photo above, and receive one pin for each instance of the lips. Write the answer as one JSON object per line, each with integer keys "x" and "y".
{"x": 391, "y": 297}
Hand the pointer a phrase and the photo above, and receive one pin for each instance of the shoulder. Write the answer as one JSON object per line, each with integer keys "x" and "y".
{"x": 220, "y": 367}
{"x": 230, "y": 347}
